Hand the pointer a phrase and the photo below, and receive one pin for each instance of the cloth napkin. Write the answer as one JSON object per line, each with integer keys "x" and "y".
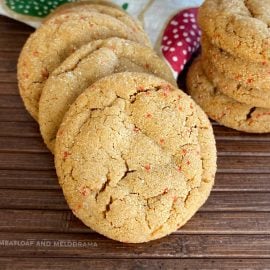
{"x": 171, "y": 25}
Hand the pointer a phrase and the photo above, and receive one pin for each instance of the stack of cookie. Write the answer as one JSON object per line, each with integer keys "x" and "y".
{"x": 135, "y": 156}
{"x": 231, "y": 78}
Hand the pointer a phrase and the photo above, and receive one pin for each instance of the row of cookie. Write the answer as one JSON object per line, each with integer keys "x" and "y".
{"x": 230, "y": 83}
{"x": 135, "y": 156}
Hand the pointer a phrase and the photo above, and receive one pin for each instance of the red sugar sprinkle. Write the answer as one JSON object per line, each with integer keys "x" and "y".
{"x": 149, "y": 115}
{"x": 135, "y": 129}
{"x": 85, "y": 191}
{"x": 140, "y": 88}
{"x": 184, "y": 151}
{"x": 162, "y": 141}
{"x": 35, "y": 53}
{"x": 188, "y": 162}
{"x": 66, "y": 154}
{"x": 179, "y": 169}
{"x": 147, "y": 167}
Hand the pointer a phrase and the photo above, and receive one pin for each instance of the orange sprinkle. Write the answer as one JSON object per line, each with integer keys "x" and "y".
{"x": 162, "y": 141}
{"x": 180, "y": 108}
{"x": 147, "y": 167}
{"x": 179, "y": 169}
{"x": 149, "y": 115}
{"x": 188, "y": 162}
{"x": 66, "y": 154}
{"x": 135, "y": 129}
{"x": 85, "y": 191}
{"x": 184, "y": 151}
{"x": 140, "y": 88}
{"x": 35, "y": 53}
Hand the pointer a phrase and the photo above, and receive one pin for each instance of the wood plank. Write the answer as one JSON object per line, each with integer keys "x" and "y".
{"x": 97, "y": 246}
{"x": 9, "y": 77}
{"x": 14, "y": 144}
{"x": 54, "y": 200}
{"x": 11, "y": 101}
{"x": 15, "y": 43}
{"x": 8, "y": 25}
{"x": 14, "y": 115}
{"x": 9, "y": 88}
{"x": 19, "y": 129}
{"x": 202, "y": 223}
{"x": 22, "y": 179}
{"x": 131, "y": 264}
{"x": 8, "y": 61}
{"x": 26, "y": 161}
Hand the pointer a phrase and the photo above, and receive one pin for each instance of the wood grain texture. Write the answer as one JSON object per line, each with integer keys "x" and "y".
{"x": 231, "y": 231}
{"x": 131, "y": 264}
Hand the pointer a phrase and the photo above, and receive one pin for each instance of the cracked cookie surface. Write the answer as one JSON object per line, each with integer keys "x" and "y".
{"x": 222, "y": 108}
{"x": 55, "y": 40}
{"x": 235, "y": 89}
{"x": 248, "y": 74}
{"x": 240, "y": 27}
{"x": 135, "y": 157}
{"x": 88, "y": 64}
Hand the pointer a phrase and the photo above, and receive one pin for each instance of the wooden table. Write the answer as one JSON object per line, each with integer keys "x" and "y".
{"x": 231, "y": 231}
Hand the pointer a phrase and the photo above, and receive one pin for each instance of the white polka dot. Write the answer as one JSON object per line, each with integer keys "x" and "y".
{"x": 185, "y": 20}
{"x": 188, "y": 40}
{"x": 179, "y": 43}
{"x": 20, "y": 6}
{"x": 165, "y": 38}
{"x": 26, "y": 11}
{"x": 185, "y": 61}
{"x": 185, "y": 15}
{"x": 192, "y": 33}
{"x": 194, "y": 43}
{"x": 36, "y": 8}
{"x": 189, "y": 48}
{"x": 184, "y": 52}
{"x": 173, "y": 22}
{"x": 194, "y": 26}
{"x": 39, "y": 13}
{"x": 175, "y": 30}
{"x": 193, "y": 20}
{"x": 182, "y": 67}
{"x": 191, "y": 15}
{"x": 172, "y": 49}
{"x": 175, "y": 59}
{"x": 176, "y": 36}
{"x": 185, "y": 34}
{"x": 165, "y": 48}
{"x": 198, "y": 39}
{"x": 169, "y": 42}
{"x": 200, "y": 32}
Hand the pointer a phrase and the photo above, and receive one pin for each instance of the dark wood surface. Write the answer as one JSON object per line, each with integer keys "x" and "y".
{"x": 38, "y": 231}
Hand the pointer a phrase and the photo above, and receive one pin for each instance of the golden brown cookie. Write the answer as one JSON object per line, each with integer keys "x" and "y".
{"x": 54, "y": 41}
{"x": 222, "y": 108}
{"x": 135, "y": 157}
{"x": 235, "y": 89}
{"x": 246, "y": 73}
{"x": 102, "y": 7}
{"x": 88, "y": 64}
{"x": 240, "y": 27}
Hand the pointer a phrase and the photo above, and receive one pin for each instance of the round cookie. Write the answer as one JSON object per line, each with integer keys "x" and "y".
{"x": 235, "y": 89}
{"x": 103, "y": 8}
{"x": 54, "y": 41}
{"x": 135, "y": 157}
{"x": 239, "y": 27}
{"x": 222, "y": 108}
{"x": 249, "y": 74}
{"x": 85, "y": 66}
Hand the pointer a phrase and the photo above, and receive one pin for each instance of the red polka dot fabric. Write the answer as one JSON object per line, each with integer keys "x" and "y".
{"x": 181, "y": 39}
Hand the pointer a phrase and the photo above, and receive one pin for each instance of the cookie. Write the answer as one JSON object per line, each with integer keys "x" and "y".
{"x": 88, "y": 64}
{"x": 238, "y": 27}
{"x": 103, "y": 8}
{"x": 132, "y": 157}
{"x": 249, "y": 74}
{"x": 222, "y": 108}
{"x": 235, "y": 89}
{"x": 54, "y": 41}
